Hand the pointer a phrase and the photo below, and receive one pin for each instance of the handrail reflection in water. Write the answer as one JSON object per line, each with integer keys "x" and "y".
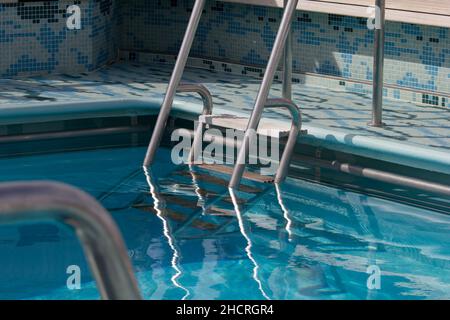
{"x": 248, "y": 249}
{"x": 159, "y": 206}
{"x": 285, "y": 211}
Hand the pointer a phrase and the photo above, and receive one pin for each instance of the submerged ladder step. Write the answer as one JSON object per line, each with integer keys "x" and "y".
{"x": 228, "y": 170}
{"x": 179, "y": 217}
{"x": 189, "y": 204}
{"x": 219, "y": 181}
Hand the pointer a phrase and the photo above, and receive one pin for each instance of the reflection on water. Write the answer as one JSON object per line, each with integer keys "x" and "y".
{"x": 190, "y": 238}
{"x": 304, "y": 241}
{"x": 159, "y": 207}
{"x": 248, "y": 248}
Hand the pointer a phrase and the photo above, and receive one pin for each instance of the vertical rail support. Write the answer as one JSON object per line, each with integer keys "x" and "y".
{"x": 278, "y": 47}
{"x": 207, "y": 99}
{"x": 287, "y": 64}
{"x": 174, "y": 81}
{"x": 378, "y": 64}
{"x": 296, "y": 123}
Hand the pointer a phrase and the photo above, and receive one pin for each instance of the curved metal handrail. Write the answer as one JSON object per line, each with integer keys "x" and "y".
{"x": 101, "y": 240}
{"x": 288, "y": 150}
{"x": 206, "y": 96}
{"x": 296, "y": 125}
{"x": 175, "y": 79}
{"x": 279, "y": 45}
{"x": 204, "y": 93}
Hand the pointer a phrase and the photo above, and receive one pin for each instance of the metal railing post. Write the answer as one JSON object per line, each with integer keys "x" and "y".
{"x": 287, "y": 64}
{"x": 378, "y": 64}
{"x": 278, "y": 47}
{"x": 101, "y": 240}
{"x": 174, "y": 81}
{"x": 296, "y": 123}
{"x": 207, "y": 99}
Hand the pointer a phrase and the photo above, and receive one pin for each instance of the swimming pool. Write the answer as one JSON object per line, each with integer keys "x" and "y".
{"x": 189, "y": 238}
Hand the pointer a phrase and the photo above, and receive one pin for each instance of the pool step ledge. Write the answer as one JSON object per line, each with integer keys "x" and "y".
{"x": 408, "y": 154}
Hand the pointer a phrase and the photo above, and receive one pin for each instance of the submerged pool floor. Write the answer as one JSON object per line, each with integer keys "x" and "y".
{"x": 302, "y": 241}
{"x": 337, "y": 110}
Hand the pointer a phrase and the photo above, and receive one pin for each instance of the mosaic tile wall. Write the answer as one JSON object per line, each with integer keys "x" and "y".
{"x": 417, "y": 57}
{"x": 34, "y": 38}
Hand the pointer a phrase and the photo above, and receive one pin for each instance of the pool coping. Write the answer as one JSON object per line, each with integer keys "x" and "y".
{"x": 407, "y": 154}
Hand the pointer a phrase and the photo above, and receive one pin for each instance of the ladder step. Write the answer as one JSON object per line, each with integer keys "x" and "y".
{"x": 182, "y": 202}
{"x": 267, "y": 127}
{"x": 218, "y": 181}
{"x": 217, "y": 211}
{"x": 178, "y": 217}
{"x": 193, "y": 204}
{"x": 228, "y": 170}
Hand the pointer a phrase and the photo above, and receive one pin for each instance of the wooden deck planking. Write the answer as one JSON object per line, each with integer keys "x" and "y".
{"x": 429, "y": 12}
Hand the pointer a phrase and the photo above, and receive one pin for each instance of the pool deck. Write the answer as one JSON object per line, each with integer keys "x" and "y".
{"x": 416, "y": 135}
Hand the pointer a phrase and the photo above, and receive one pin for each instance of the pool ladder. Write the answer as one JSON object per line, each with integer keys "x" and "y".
{"x": 282, "y": 46}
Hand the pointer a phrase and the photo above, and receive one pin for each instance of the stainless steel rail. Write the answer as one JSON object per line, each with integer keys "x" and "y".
{"x": 283, "y": 41}
{"x": 287, "y": 65}
{"x": 101, "y": 240}
{"x": 206, "y": 96}
{"x": 279, "y": 45}
{"x": 204, "y": 93}
{"x": 378, "y": 65}
{"x": 378, "y": 175}
{"x": 288, "y": 149}
{"x": 293, "y": 133}
{"x": 174, "y": 81}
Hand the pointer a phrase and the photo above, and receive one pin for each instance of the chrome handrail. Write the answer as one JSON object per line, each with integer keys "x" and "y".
{"x": 378, "y": 64}
{"x": 203, "y": 92}
{"x": 175, "y": 79}
{"x": 287, "y": 63}
{"x": 296, "y": 124}
{"x": 263, "y": 93}
{"x": 288, "y": 150}
{"x": 101, "y": 240}
{"x": 206, "y": 96}
{"x": 207, "y": 99}
{"x": 282, "y": 46}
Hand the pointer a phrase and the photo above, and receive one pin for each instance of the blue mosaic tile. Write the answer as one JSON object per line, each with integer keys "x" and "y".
{"x": 417, "y": 57}
{"x": 34, "y": 38}
{"x": 145, "y": 79}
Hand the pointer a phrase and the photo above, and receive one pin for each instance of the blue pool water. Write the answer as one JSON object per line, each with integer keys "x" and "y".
{"x": 304, "y": 241}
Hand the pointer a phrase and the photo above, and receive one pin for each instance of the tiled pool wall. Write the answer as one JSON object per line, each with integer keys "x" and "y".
{"x": 329, "y": 50}
{"x": 339, "y": 47}
{"x": 34, "y": 38}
